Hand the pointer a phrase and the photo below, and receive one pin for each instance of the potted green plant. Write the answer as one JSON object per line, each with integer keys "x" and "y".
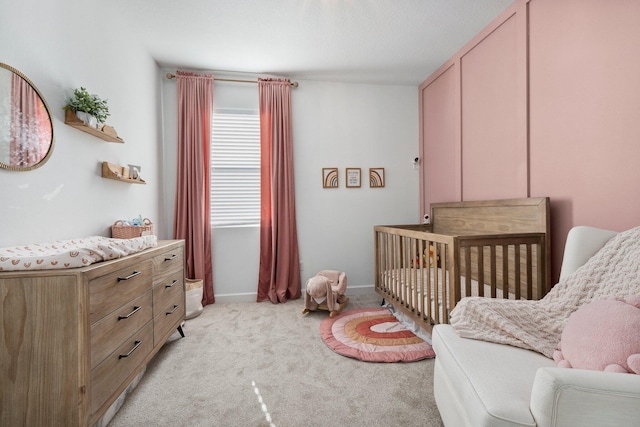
{"x": 87, "y": 106}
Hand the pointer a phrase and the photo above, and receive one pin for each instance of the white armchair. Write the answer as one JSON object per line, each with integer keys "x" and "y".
{"x": 477, "y": 383}
{"x": 577, "y": 397}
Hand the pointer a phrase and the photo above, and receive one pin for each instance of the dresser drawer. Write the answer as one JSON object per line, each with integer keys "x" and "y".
{"x": 113, "y": 290}
{"x": 111, "y": 331}
{"x": 168, "y": 290}
{"x": 167, "y": 263}
{"x": 110, "y": 374}
{"x": 168, "y": 318}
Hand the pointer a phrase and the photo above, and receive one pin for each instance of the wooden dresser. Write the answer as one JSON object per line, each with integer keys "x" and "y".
{"x": 72, "y": 340}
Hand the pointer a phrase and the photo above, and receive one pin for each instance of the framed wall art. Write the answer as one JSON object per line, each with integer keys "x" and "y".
{"x": 330, "y": 177}
{"x": 353, "y": 177}
{"x": 376, "y": 177}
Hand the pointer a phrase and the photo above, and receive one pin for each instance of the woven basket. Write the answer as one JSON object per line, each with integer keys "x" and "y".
{"x": 121, "y": 231}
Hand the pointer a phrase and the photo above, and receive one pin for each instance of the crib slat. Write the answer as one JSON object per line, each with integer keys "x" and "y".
{"x": 439, "y": 292}
{"x": 516, "y": 262}
{"x": 529, "y": 273}
{"x": 481, "y": 283}
{"x": 505, "y": 271}
{"x": 452, "y": 278}
{"x": 396, "y": 267}
{"x": 494, "y": 269}
{"x": 420, "y": 282}
{"x": 406, "y": 272}
{"x": 428, "y": 288}
{"x": 467, "y": 271}
{"x": 540, "y": 270}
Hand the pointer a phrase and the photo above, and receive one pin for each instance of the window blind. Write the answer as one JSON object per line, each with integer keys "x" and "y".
{"x": 235, "y": 168}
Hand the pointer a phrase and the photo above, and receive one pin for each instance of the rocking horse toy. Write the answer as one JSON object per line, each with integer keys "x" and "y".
{"x": 325, "y": 291}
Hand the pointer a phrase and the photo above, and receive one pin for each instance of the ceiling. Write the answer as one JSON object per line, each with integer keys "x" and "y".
{"x": 369, "y": 41}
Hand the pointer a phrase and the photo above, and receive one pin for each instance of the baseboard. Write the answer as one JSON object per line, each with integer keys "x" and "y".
{"x": 229, "y": 298}
{"x": 252, "y": 296}
{"x": 360, "y": 290}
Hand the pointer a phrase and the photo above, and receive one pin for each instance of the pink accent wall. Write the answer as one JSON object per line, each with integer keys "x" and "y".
{"x": 575, "y": 135}
{"x": 491, "y": 100}
{"x": 464, "y": 106}
{"x": 585, "y": 112}
{"x": 440, "y": 132}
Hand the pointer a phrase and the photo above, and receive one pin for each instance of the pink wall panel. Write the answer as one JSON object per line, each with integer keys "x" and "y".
{"x": 585, "y": 113}
{"x": 440, "y": 152}
{"x": 494, "y": 155}
{"x": 548, "y": 104}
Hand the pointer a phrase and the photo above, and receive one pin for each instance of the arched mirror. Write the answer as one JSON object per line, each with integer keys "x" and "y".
{"x": 26, "y": 128}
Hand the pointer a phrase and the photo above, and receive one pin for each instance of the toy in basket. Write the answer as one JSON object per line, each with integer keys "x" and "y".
{"x": 122, "y": 230}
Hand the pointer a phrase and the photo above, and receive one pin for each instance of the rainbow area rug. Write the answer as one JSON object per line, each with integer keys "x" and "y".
{"x": 373, "y": 335}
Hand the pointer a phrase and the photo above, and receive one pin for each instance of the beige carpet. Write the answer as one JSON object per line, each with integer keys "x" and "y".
{"x": 237, "y": 355}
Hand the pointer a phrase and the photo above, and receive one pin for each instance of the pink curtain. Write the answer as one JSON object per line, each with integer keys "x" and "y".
{"x": 279, "y": 275}
{"x": 191, "y": 214}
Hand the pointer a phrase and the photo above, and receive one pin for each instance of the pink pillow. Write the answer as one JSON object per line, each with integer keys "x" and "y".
{"x": 603, "y": 335}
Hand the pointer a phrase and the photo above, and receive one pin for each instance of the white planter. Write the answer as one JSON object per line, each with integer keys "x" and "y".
{"x": 88, "y": 119}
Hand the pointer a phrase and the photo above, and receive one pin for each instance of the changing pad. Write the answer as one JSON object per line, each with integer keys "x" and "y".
{"x": 71, "y": 253}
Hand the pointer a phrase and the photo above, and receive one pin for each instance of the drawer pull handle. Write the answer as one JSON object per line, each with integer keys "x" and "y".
{"x": 171, "y": 258}
{"x": 135, "y": 347}
{"x": 171, "y": 285}
{"x": 135, "y": 309}
{"x": 131, "y": 276}
{"x": 175, "y": 307}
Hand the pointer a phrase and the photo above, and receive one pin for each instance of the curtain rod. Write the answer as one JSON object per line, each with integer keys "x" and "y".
{"x": 172, "y": 76}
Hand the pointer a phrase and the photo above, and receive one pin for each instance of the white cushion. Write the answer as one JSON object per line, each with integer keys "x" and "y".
{"x": 479, "y": 384}
{"x": 582, "y": 243}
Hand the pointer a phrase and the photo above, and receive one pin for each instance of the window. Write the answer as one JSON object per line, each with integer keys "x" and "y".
{"x": 235, "y": 168}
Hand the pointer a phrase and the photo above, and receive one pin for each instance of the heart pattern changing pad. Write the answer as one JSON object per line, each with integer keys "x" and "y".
{"x": 71, "y": 253}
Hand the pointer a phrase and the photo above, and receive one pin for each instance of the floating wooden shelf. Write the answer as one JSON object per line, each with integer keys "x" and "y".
{"x": 71, "y": 119}
{"x": 119, "y": 173}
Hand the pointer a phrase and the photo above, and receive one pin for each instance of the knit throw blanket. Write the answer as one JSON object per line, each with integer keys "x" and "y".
{"x": 614, "y": 271}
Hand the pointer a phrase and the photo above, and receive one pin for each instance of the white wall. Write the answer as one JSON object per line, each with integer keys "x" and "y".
{"x": 352, "y": 125}
{"x": 66, "y": 197}
{"x": 334, "y": 125}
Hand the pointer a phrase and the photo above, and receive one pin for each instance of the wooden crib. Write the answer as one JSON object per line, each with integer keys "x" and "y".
{"x": 495, "y": 248}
